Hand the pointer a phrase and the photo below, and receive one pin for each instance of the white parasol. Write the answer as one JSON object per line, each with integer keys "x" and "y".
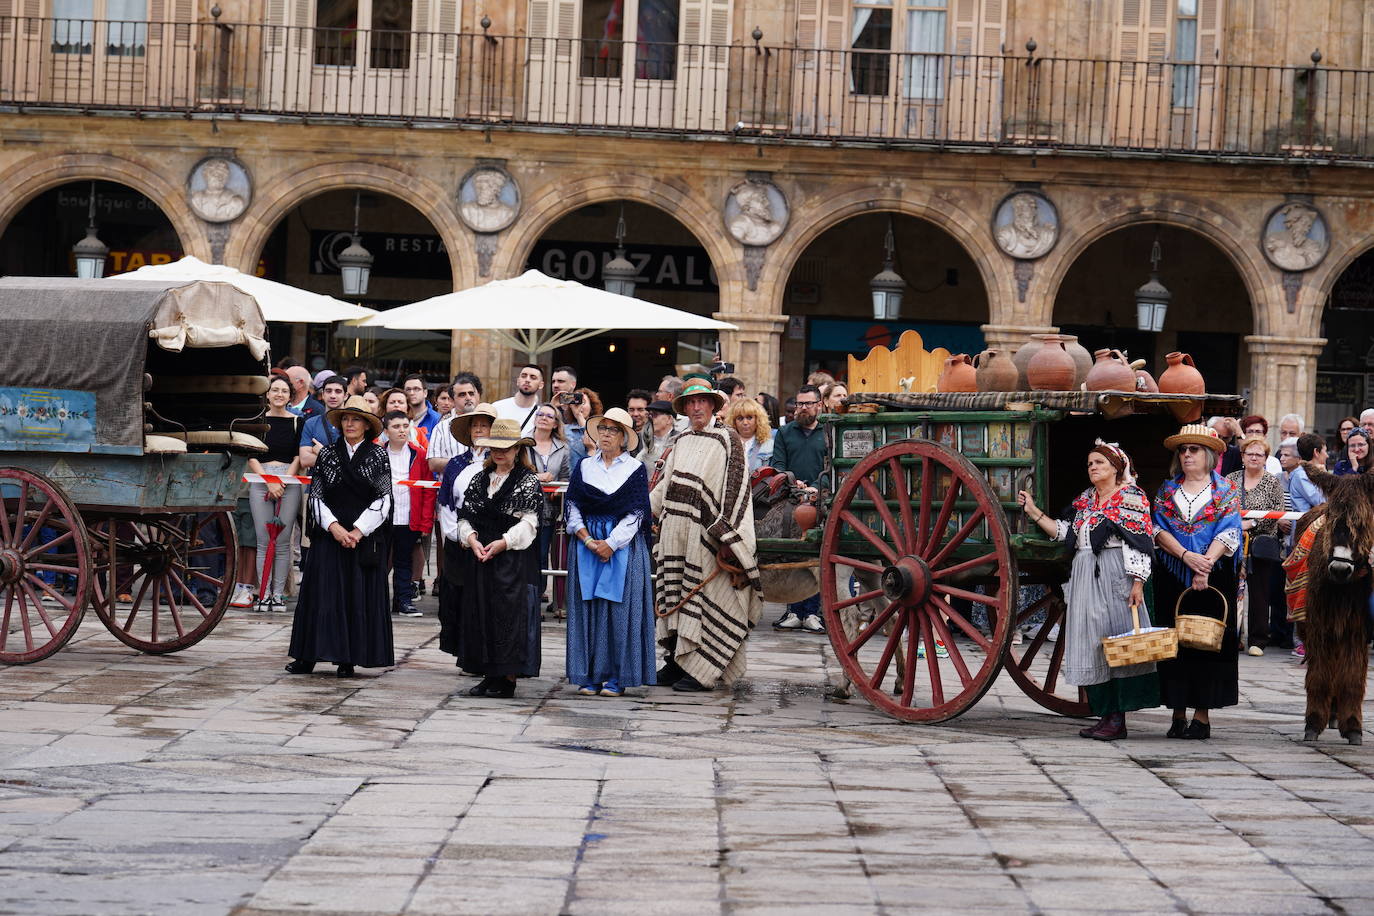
{"x": 278, "y": 301}
{"x": 550, "y": 313}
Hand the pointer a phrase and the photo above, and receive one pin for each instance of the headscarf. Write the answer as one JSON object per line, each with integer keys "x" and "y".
{"x": 1118, "y": 459}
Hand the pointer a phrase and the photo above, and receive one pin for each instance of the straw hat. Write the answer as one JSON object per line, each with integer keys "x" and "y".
{"x": 355, "y": 406}
{"x": 1196, "y": 434}
{"x": 695, "y": 386}
{"x": 460, "y": 424}
{"x": 504, "y": 433}
{"x": 620, "y": 418}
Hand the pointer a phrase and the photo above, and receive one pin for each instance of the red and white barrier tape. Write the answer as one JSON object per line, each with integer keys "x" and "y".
{"x": 415, "y": 484}
{"x": 1279, "y": 516}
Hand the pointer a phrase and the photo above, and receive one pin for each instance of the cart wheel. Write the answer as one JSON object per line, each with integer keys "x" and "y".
{"x": 1035, "y": 665}
{"x": 173, "y": 573}
{"x": 45, "y": 567}
{"x": 949, "y": 535}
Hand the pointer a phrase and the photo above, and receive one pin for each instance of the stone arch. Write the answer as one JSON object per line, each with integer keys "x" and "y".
{"x": 1326, "y": 275}
{"x": 557, "y": 200}
{"x": 278, "y": 197}
{"x": 33, "y": 176}
{"x": 1240, "y": 247}
{"x": 809, "y": 223}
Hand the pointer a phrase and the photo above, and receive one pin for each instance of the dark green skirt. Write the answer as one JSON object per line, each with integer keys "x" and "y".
{"x": 1124, "y": 694}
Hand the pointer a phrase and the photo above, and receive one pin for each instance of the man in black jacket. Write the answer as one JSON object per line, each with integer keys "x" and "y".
{"x": 799, "y": 447}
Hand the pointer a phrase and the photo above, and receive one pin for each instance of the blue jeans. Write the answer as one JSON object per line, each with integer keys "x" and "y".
{"x": 402, "y": 551}
{"x": 807, "y": 607}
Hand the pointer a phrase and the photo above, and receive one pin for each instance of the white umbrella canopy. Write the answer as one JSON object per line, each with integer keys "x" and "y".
{"x": 278, "y": 301}
{"x": 550, "y": 313}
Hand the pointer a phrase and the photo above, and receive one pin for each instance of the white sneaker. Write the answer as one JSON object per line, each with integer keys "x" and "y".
{"x": 278, "y": 602}
{"x": 789, "y": 621}
{"x": 1054, "y": 633}
{"x": 812, "y": 624}
{"x": 243, "y": 595}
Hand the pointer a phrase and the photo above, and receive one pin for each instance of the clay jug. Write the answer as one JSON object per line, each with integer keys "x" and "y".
{"x": 1182, "y": 376}
{"x": 1111, "y": 372}
{"x": 1082, "y": 359}
{"x": 958, "y": 375}
{"x": 1022, "y": 357}
{"x": 995, "y": 371}
{"x": 804, "y": 514}
{"x": 1144, "y": 381}
{"x": 1051, "y": 368}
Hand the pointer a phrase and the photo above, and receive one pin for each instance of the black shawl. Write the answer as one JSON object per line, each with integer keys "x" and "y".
{"x": 492, "y": 516}
{"x": 348, "y": 485}
{"x": 632, "y": 498}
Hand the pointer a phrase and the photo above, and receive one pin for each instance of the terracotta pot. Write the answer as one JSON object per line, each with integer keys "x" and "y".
{"x": 1081, "y": 358}
{"x": 1051, "y": 368}
{"x": 1023, "y": 355}
{"x": 805, "y": 516}
{"x": 958, "y": 375}
{"x": 995, "y": 371}
{"x": 1144, "y": 381}
{"x": 1182, "y": 377}
{"x": 1111, "y": 372}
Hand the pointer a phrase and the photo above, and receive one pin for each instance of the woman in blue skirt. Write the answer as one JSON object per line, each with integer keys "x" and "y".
{"x": 610, "y": 586}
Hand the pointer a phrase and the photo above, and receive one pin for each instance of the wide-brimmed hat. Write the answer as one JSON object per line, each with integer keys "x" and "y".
{"x": 695, "y": 386}
{"x": 460, "y": 425}
{"x": 662, "y": 407}
{"x": 356, "y": 406}
{"x": 1196, "y": 434}
{"x": 620, "y": 418}
{"x": 504, "y": 433}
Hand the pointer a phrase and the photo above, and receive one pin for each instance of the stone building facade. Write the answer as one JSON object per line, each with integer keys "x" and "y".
{"x": 1207, "y": 125}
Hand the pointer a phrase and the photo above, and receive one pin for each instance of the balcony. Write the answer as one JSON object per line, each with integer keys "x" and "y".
{"x": 750, "y": 90}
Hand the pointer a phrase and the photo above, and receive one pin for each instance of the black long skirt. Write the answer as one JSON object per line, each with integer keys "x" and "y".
{"x": 343, "y": 614}
{"x": 450, "y": 596}
{"x": 497, "y": 613}
{"x": 1197, "y": 679}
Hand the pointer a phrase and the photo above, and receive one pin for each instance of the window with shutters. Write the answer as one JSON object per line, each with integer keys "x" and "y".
{"x": 389, "y": 37}
{"x": 654, "y": 25}
{"x": 896, "y": 46}
{"x": 1185, "y": 52}
{"x": 124, "y": 27}
{"x": 870, "y": 40}
{"x": 1179, "y": 41}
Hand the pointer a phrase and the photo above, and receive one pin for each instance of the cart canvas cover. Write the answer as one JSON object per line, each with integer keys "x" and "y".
{"x": 72, "y": 354}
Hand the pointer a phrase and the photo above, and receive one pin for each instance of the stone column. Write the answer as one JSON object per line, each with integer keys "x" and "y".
{"x": 755, "y": 348}
{"x": 1283, "y": 376}
{"x": 488, "y": 360}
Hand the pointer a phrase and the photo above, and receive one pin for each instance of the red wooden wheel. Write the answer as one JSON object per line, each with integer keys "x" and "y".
{"x": 170, "y": 578}
{"x": 1036, "y": 664}
{"x": 45, "y": 567}
{"x": 925, "y": 522}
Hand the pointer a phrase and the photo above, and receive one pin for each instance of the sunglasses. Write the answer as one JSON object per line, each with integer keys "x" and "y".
{"x": 607, "y": 428}
{"x": 1189, "y": 449}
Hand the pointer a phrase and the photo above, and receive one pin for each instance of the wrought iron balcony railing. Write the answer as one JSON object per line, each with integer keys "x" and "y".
{"x": 742, "y": 90}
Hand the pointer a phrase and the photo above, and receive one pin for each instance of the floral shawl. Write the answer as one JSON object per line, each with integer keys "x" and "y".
{"x": 1220, "y": 515}
{"x": 1125, "y": 514}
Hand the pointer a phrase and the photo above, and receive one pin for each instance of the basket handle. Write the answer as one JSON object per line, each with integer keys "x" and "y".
{"x": 1225, "y": 605}
{"x": 1135, "y": 620}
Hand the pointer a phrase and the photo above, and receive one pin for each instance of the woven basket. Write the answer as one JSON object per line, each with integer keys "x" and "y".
{"x": 1140, "y": 646}
{"x": 1196, "y": 631}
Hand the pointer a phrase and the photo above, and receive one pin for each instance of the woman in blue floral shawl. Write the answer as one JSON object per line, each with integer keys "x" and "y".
{"x": 1197, "y": 541}
{"x": 1109, "y": 525}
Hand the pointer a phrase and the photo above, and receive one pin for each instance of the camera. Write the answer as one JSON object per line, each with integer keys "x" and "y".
{"x": 570, "y": 397}
{"x": 720, "y": 367}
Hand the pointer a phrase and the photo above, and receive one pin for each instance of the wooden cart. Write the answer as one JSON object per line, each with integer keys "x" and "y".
{"x": 922, "y": 530}
{"x": 122, "y": 445}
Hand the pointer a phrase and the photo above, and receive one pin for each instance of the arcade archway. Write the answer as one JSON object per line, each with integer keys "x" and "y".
{"x": 1345, "y": 368}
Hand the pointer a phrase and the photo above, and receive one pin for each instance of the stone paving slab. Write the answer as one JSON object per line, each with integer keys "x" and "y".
{"x": 211, "y": 782}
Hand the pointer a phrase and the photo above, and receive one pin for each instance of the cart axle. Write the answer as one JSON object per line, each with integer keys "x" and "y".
{"x": 11, "y": 566}
{"x": 908, "y": 580}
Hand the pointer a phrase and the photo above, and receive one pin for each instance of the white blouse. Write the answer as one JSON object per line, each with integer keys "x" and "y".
{"x": 1230, "y": 540}
{"x": 373, "y": 517}
{"x": 518, "y": 536}
{"x": 1137, "y": 563}
{"x": 607, "y": 480}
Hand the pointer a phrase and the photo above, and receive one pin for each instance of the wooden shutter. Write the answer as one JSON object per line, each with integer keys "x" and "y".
{"x": 808, "y": 23}
{"x": 993, "y": 27}
{"x": 1157, "y": 34}
{"x": 1209, "y": 33}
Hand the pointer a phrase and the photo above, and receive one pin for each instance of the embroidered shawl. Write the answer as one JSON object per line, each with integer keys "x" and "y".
{"x": 491, "y": 516}
{"x": 1220, "y": 515}
{"x": 1125, "y": 514}
{"x": 348, "y": 485}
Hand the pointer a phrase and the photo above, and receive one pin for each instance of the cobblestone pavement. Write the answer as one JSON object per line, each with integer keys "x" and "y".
{"x": 212, "y": 782}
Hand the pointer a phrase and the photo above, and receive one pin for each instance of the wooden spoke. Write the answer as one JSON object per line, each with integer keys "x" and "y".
{"x": 923, "y": 532}
{"x": 968, "y": 629}
{"x": 169, "y": 558}
{"x": 857, "y": 599}
{"x": 894, "y": 639}
{"x": 937, "y": 533}
{"x": 909, "y": 669}
{"x": 937, "y": 687}
{"x": 879, "y": 621}
{"x": 869, "y": 535}
{"x": 895, "y": 534}
{"x": 902, "y": 493}
{"x": 943, "y": 633}
{"x": 986, "y": 559}
{"x": 958, "y": 538}
{"x": 864, "y": 565}
{"x": 43, "y": 533}
{"x": 967, "y": 595}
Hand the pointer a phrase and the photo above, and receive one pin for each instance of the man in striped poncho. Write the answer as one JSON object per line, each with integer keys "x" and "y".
{"x": 704, "y": 514}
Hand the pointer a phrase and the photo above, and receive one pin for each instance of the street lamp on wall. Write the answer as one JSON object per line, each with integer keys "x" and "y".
{"x": 1152, "y": 298}
{"x": 618, "y": 276}
{"x": 887, "y": 286}
{"x": 355, "y": 261}
{"x": 90, "y": 252}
